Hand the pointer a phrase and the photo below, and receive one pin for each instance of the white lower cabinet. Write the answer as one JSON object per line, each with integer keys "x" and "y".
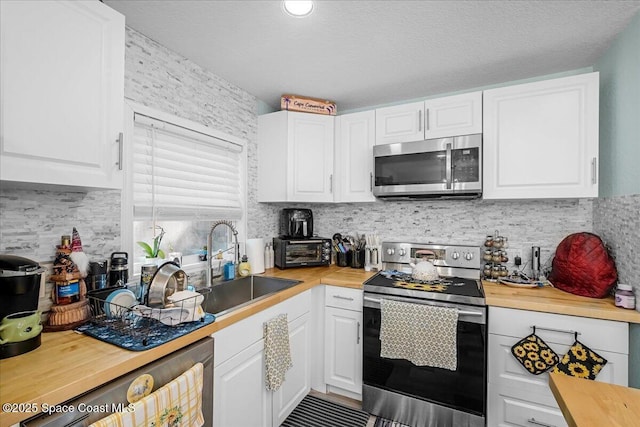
{"x": 343, "y": 341}
{"x": 240, "y": 397}
{"x": 298, "y": 378}
{"x": 518, "y": 398}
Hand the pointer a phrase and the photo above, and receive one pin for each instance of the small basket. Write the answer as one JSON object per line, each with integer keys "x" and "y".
{"x": 138, "y": 322}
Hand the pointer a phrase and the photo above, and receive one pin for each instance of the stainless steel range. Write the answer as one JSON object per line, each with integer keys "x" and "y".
{"x": 415, "y": 395}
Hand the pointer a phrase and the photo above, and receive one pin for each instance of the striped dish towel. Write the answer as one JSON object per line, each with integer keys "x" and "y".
{"x": 277, "y": 353}
{"x": 178, "y": 403}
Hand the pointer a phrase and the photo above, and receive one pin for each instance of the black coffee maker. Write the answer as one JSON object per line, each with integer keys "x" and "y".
{"x": 19, "y": 293}
{"x": 296, "y": 224}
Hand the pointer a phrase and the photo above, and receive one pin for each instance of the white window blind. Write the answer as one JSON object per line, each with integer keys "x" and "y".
{"x": 183, "y": 174}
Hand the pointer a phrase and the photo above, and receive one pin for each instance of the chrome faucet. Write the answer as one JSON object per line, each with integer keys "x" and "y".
{"x": 210, "y": 255}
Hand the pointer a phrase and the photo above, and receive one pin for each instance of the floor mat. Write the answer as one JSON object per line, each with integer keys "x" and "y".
{"x": 383, "y": 422}
{"x": 316, "y": 412}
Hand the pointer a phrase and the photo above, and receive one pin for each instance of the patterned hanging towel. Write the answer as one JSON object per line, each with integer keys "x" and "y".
{"x": 277, "y": 353}
{"x": 423, "y": 334}
{"x": 178, "y": 403}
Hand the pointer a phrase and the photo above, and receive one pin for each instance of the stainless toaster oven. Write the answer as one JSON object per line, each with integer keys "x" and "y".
{"x": 301, "y": 252}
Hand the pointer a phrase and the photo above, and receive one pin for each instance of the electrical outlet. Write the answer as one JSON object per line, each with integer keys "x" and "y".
{"x": 43, "y": 278}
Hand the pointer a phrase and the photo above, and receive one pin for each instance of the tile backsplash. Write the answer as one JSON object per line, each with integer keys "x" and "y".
{"x": 32, "y": 221}
{"x": 526, "y": 223}
{"x": 617, "y": 221}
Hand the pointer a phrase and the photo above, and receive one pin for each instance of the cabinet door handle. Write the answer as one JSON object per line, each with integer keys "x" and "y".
{"x": 331, "y": 183}
{"x": 538, "y": 423}
{"x": 341, "y": 297}
{"x": 594, "y": 170}
{"x": 120, "y": 150}
{"x": 419, "y": 121}
{"x": 371, "y": 180}
{"x": 358, "y": 340}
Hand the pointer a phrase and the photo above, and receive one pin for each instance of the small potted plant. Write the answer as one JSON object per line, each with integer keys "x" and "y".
{"x": 154, "y": 253}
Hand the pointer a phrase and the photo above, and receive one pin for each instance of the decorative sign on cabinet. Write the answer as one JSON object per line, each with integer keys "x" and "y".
{"x": 541, "y": 139}
{"x": 62, "y": 82}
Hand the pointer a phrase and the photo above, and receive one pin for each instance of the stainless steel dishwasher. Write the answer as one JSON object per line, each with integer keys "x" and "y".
{"x": 163, "y": 371}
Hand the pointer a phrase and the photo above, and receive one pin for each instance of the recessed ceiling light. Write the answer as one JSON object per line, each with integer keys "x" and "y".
{"x": 298, "y": 8}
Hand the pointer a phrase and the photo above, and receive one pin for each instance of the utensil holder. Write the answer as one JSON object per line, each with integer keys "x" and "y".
{"x": 343, "y": 259}
{"x": 357, "y": 258}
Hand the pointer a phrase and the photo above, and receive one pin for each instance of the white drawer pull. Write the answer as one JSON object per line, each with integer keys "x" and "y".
{"x": 341, "y": 297}
{"x": 538, "y": 423}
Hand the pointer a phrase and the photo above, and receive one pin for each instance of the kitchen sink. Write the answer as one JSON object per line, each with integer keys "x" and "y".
{"x": 230, "y": 295}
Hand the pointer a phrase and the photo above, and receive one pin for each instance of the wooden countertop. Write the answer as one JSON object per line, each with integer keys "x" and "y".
{"x": 68, "y": 364}
{"x": 44, "y": 375}
{"x": 586, "y": 403}
{"x": 551, "y": 300}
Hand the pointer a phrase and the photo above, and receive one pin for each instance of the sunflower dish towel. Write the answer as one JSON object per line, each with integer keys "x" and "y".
{"x": 580, "y": 361}
{"x": 534, "y": 354}
{"x": 178, "y": 403}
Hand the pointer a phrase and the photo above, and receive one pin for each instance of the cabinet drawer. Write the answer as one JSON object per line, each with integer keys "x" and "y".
{"x": 605, "y": 335}
{"x": 505, "y": 409}
{"x": 504, "y": 369}
{"x": 347, "y": 298}
{"x": 234, "y": 338}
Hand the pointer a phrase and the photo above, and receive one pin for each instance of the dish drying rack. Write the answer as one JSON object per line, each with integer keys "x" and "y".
{"x": 141, "y": 323}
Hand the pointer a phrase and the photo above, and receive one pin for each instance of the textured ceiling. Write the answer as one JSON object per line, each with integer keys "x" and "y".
{"x": 365, "y": 53}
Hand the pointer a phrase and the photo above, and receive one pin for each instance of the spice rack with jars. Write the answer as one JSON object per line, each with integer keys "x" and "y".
{"x": 495, "y": 257}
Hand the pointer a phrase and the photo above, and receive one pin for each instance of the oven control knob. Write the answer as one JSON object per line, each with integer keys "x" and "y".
{"x": 468, "y": 256}
{"x": 402, "y": 252}
{"x": 390, "y": 251}
{"x": 455, "y": 255}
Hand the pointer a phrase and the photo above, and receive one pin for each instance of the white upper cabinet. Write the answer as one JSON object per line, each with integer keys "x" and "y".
{"x": 62, "y": 84}
{"x": 295, "y": 157}
{"x": 400, "y": 123}
{"x": 453, "y": 115}
{"x": 541, "y": 139}
{"x": 355, "y": 138}
{"x": 435, "y": 118}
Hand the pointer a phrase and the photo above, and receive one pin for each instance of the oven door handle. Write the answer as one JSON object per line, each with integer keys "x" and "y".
{"x": 460, "y": 312}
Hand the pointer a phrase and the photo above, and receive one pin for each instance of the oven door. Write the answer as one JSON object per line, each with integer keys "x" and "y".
{"x": 461, "y": 390}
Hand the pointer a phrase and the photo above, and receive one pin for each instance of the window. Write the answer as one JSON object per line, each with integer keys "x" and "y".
{"x": 181, "y": 176}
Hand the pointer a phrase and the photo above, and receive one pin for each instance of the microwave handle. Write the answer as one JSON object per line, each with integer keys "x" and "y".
{"x": 449, "y": 170}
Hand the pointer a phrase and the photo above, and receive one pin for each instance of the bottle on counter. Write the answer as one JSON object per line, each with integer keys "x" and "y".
{"x": 244, "y": 268}
{"x": 624, "y": 296}
{"x": 229, "y": 271}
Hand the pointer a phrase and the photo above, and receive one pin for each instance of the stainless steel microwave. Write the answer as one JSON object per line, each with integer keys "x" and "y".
{"x": 443, "y": 167}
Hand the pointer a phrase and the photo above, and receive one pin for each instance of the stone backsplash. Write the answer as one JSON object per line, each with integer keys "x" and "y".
{"x": 32, "y": 222}
{"x": 526, "y": 223}
{"x": 617, "y": 221}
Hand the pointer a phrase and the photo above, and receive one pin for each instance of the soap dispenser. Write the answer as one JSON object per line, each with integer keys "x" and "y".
{"x": 244, "y": 268}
